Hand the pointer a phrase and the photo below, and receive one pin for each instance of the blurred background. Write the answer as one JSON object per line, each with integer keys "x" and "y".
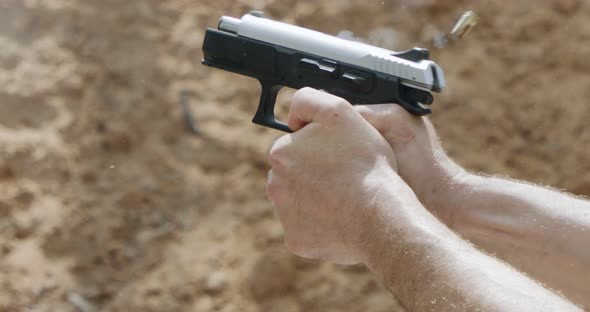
{"x": 111, "y": 201}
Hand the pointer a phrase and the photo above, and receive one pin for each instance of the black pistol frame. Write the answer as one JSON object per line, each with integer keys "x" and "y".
{"x": 276, "y": 67}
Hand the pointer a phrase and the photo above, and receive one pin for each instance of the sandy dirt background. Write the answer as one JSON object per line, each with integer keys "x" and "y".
{"x": 108, "y": 202}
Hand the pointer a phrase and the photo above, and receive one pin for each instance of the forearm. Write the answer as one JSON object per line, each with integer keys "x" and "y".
{"x": 429, "y": 268}
{"x": 539, "y": 231}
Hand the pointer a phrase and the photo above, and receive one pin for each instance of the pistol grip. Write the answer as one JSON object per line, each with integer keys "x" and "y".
{"x": 265, "y": 114}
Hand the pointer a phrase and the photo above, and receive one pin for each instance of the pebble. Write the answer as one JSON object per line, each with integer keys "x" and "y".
{"x": 79, "y": 302}
{"x": 215, "y": 283}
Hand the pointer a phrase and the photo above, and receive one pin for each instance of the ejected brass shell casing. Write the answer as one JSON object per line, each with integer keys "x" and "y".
{"x": 467, "y": 21}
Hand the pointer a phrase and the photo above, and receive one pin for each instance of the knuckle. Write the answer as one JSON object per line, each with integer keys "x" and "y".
{"x": 337, "y": 108}
{"x": 339, "y": 105}
{"x": 387, "y": 112}
{"x": 275, "y": 158}
{"x": 390, "y": 116}
{"x": 301, "y": 96}
{"x": 276, "y": 154}
{"x": 362, "y": 109}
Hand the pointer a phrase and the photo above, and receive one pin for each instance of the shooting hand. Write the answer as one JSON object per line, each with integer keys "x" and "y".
{"x": 327, "y": 177}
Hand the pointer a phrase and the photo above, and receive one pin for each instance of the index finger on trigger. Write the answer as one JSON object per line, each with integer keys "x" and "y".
{"x": 307, "y": 104}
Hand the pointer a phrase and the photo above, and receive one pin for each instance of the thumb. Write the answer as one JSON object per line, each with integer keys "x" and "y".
{"x": 394, "y": 123}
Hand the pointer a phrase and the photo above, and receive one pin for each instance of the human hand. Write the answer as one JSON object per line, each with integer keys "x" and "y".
{"x": 422, "y": 162}
{"x": 327, "y": 178}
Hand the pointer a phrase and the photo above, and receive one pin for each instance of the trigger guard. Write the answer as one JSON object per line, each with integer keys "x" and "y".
{"x": 271, "y": 122}
{"x": 265, "y": 115}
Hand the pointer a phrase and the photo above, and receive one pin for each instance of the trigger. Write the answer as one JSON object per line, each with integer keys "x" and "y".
{"x": 419, "y": 96}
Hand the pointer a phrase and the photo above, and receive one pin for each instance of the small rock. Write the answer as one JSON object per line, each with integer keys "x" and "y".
{"x": 95, "y": 293}
{"x": 43, "y": 289}
{"x": 79, "y": 302}
{"x": 215, "y": 283}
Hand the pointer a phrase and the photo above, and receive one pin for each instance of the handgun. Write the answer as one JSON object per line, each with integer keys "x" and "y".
{"x": 283, "y": 55}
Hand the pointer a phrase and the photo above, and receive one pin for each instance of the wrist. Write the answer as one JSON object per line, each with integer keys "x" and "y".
{"x": 407, "y": 248}
{"x": 442, "y": 187}
{"x": 396, "y": 216}
{"x": 450, "y": 205}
